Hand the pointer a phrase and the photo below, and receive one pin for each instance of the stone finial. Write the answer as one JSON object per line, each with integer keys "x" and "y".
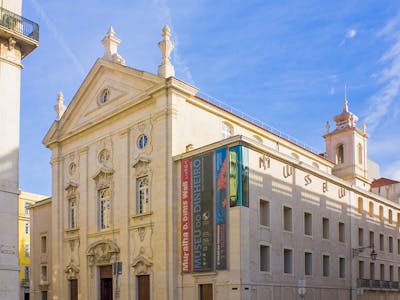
{"x": 111, "y": 42}
{"x": 364, "y": 128}
{"x": 327, "y": 127}
{"x": 166, "y": 69}
{"x": 60, "y": 107}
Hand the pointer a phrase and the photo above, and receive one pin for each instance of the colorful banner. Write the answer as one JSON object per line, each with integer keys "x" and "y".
{"x": 203, "y": 217}
{"x": 186, "y": 216}
{"x": 221, "y": 169}
{"x": 238, "y": 176}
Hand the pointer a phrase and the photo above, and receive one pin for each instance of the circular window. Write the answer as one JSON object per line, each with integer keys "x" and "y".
{"x": 104, "y": 96}
{"x": 142, "y": 141}
{"x": 104, "y": 156}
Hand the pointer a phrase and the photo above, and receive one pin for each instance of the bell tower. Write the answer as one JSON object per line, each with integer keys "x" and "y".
{"x": 18, "y": 38}
{"x": 347, "y": 147}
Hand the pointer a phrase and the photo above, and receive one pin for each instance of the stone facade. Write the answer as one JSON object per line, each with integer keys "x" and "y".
{"x": 14, "y": 45}
{"x": 116, "y": 214}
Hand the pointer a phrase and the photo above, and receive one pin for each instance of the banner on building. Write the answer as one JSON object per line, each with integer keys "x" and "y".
{"x": 221, "y": 202}
{"x": 238, "y": 176}
{"x": 186, "y": 216}
{"x": 203, "y": 217}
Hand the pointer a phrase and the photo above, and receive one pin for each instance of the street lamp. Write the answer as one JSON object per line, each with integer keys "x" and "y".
{"x": 357, "y": 251}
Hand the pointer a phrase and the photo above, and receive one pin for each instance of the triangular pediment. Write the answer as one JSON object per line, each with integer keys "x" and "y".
{"x": 126, "y": 87}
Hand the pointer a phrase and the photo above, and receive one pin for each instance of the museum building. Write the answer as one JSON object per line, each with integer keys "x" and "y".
{"x": 142, "y": 208}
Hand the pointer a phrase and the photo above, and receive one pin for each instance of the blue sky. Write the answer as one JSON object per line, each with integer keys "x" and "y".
{"x": 283, "y": 62}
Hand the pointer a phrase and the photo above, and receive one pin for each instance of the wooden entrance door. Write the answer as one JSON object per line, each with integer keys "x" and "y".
{"x": 106, "y": 288}
{"x": 143, "y": 283}
{"x": 206, "y": 292}
{"x": 73, "y": 289}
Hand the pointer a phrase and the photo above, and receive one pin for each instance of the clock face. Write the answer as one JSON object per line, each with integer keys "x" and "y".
{"x": 142, "y": 141}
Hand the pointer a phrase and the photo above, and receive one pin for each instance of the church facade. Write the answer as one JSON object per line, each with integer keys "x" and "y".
{"x": 160, "y": 194}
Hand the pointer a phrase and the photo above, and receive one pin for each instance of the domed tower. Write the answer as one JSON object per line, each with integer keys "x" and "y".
{"x": 347, "y": 147}
{"x": 18, "y": 38}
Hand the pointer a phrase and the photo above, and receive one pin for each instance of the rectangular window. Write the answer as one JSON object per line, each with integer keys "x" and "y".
{"x": 398, "y": 248}
{"x": 391, "y": 273}
{"x": 342, "y": 267}
{"x": 26, "y": 273}
{"x": 382, "y": 272}
{"x": 360, "y": 237}
{"x": 44, "y": 295}
{"x": 390, "y": 244}
{"x": 371, "y": 238}
{"x": 27, "y": 250}
{"x": 287, "y": 218}
{"x": 142, "y": 195}
{"x": 390, "y": 216}
{"x": 325, "y": 228}
{"x": 104, "y": 199}
{"x": 372, "y": 271}
{"x": 398, "y": 219}
{"x": 307, "y": 223}
{"x": 26, "y": 208}
{"x": 361, "y": 269}
{"x": 371, "y": 209}
{"x": 307, "y": 263}
{"x": 27, "y": 228}
{"x": 325, "y": 265}
{"x": 43, "y": 273}
{"x": 73, "y": 289}
{"x": 72, "y": 213}
{"x": 264, "y": 213}
{"x": 43, "y": 244}
{"x": 341, "y": 232}
{"x": 381, "y": 242}
{"x": 264, "y": 258}
{"x": 287, "y": 261}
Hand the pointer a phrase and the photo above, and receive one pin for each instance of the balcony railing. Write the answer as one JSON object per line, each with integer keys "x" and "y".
{"x": 19, "y": 24}
{"x": 377, "y": 284}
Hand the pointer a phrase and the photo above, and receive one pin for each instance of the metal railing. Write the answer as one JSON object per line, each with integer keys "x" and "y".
{"x": 377, "y": 284}
{"x": 19, "y": 24}
{"x": 256, "y": 121}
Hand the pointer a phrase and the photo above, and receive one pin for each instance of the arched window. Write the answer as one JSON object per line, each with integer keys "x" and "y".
{"x": 371, "y": 209}
{"x": 360, "y": 205}
{"x": 340, "y": 154}
{"x": 381, "y": 212}
{"x": 359, "y": 153}
{"x": 227, "y": 130}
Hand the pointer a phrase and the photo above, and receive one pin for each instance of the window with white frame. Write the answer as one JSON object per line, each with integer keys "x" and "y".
{"x": 104, "y": 200}
{"x": 227, "y": 130}
{"x": 27, "y": 229}
{"x": 72, "y": 210}
{"x": 142, "y": 195}
{"x": 26, "y": 208}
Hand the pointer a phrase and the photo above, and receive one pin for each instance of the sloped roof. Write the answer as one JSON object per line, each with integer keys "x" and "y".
{"x": 382, "y": 182}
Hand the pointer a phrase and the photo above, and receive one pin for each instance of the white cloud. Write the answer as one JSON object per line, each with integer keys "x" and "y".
{"x": 384, "y": 103}
{"x": 351, "y": 33}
